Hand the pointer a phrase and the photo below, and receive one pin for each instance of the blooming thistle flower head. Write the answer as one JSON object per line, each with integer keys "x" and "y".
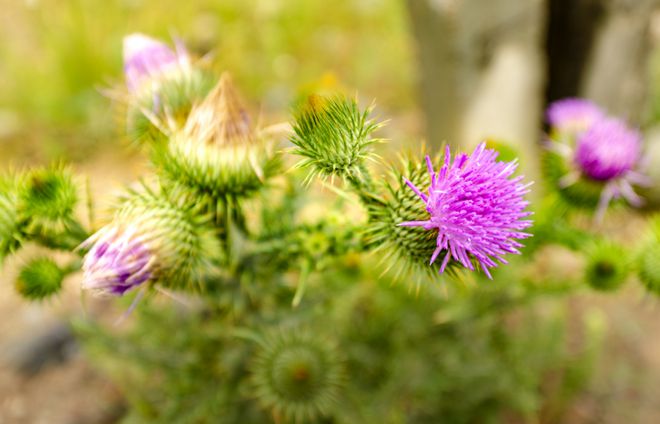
{"x": 573, "y": 115}
{"x": 608, "y": 150}
{"x": 601, "y": 165}
{"x": 150, "y": 240}
{"x": 147, "y": 59}
{"x": 476, "y": 207}
{"x": 218, "y": 152}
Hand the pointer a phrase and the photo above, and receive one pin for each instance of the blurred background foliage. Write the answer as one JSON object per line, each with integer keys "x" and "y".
{"x": 57, "y": 55}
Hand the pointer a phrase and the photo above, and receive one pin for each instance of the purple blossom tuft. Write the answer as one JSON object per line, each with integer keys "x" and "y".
{"x": 476, "y": 208}
{"x": 117, "y": 262}
{"x": 573, "y": 114}
{"x": 146, "y": 58}
{"x": 607, "y": 150}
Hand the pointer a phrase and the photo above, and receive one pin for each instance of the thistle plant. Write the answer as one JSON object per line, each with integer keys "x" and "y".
{"x": 300, "y": 244}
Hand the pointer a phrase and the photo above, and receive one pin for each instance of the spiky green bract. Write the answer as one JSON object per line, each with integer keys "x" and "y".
{"x": 183, "y": 245}
{"x": 218, "y": 154}
{"x": 648, "y": 261}
{"x": 607, "y": 266}
{"x": 11, "y": 228}
{"x": 407, "y": 250}
{"x": 39, "y": 279}
{"x": 334, "y": 136}
{"x": 297, "y": 375}
{"x": 164, "y": 107}
{"x": 583, "y": 193}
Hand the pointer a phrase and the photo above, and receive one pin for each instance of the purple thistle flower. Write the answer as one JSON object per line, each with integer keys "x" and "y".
{"x": 117, "y": 262}
{"x": 573, "y": 114}
{"x": 146, "y": 59}
{"x": 607, "y": 150}
{"x": 476, "y": 208}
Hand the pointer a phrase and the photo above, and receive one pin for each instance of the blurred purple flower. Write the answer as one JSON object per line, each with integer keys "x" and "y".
{"x": 608, "y": 150}
{"x": 476, "y": 208}
{"x": 146, "y": 59}
{"x": 117, "y": 261}
{"x": 573, "y": 114}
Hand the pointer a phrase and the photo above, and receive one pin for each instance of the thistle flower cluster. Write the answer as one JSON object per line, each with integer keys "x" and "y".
{"x": 592, "y": 158}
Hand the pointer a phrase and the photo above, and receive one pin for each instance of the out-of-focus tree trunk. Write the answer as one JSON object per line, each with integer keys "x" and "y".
{"x": 489, "y": 67}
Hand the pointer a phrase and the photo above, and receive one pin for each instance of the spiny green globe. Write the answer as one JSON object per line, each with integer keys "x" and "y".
{"x": 649, "y": 267}
{"x": 297, "y": 375}
{"x": 333, "y": 135}
{"x": 40, "y": 278}
{"x": 584, "y": 192}
{"x": 47, "y": 198}
{"x": 607, "y": 266}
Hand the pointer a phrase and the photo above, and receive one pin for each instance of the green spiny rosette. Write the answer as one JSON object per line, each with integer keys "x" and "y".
{"x": 407, "y": 250}
{"x": 334, "y": 137}
{"x": 648, "y": 262}
{"x": 11, "y": 228}
{"x": 153, "y": 239}
{"x": 47, "y": 198}
{"x": 218, "y": 154}
{"x": 583, "y": 192}
{"x": 39, "y": 279}
{"x": 607, "y": 266}
{"x": 297, "y": 375}
{"x": 162, "y": 84}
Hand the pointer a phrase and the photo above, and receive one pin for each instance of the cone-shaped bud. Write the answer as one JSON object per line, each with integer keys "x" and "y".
{"x": 11, "y": 229}
{"x": 475, "y": 207}
{"x": 607, "y": 266}
{"x": 333, "y": 135}
{"x": 297, "y": 376}
{"x": 40, "y": 278}
{"x": 218, "y": 152}
{"x": 47, "y": 198}
{"x": 151, "y": 240}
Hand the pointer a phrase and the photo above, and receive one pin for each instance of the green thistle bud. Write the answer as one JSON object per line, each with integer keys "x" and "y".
{"x": 218, "y": 153}
{"x": 649, "y": 266}
{"x": 11, "y": 232}
{"x": 47, "y": 198}
{"x": 334, "y": 136}
{"x": 297, "y": 375}
{"x": 160, "y": 109}
{"x": 152, "y": 239}
{"x": 40, "y": 278}
{"x": 583, "y": 193}
{"x": 406, "y": 249}
{"x": 607, "y": 266}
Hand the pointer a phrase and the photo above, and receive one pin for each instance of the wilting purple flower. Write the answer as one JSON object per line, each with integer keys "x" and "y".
{"x": 117, "y": 261}
{"x": 573, "y": 114}
{"x": 146, "y": 59}
{"x": 476, "y": 208}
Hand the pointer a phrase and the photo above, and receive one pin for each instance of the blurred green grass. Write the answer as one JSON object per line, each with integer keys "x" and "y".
{"x": 56, "y": 55}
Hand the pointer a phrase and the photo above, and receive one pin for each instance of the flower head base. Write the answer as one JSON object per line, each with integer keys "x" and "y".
{"x": 147, "y": 59}
{"x": 152, "y": 239}
{"x": 573, "y": 115}
{"x": 218, "y": 152}
{"x": 476, "y": 208}
{"x": 608, "y": 150}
